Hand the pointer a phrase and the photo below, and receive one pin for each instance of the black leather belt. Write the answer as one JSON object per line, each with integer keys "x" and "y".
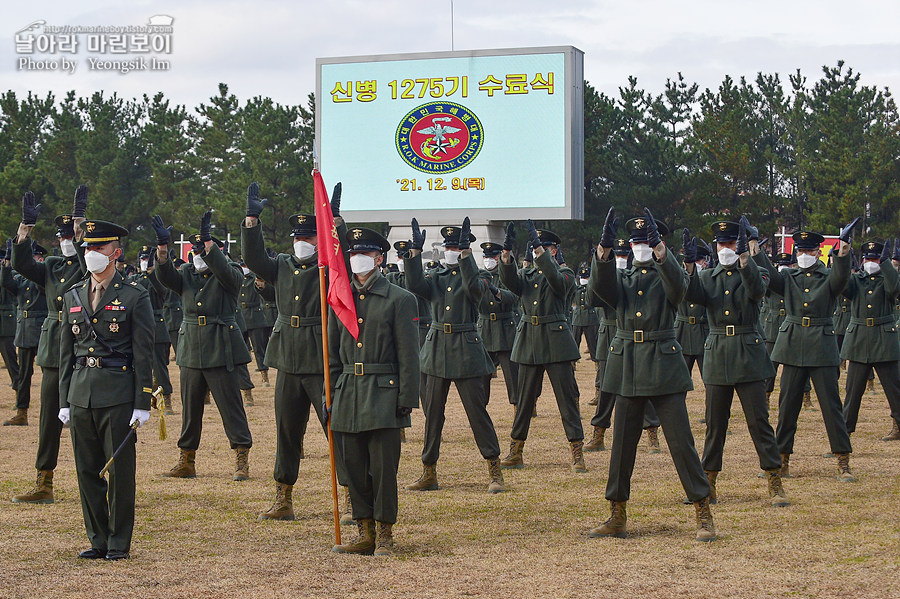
{"x": 810, "y": 321}
{"x": 873, "y": 322}
{"x": 639, "y": 336}
{"x": 299, "y": 321}
{"x": 546, "y": 319}
{"x": 730, "y": 330}
{"x": 498, "y": 315}
{"x": 99, "y": 362}
{"x": 361, "y": 368}
{"x": 455, "y": 327}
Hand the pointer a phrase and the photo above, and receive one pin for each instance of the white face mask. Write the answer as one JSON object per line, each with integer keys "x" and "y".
{"x": 245, "y": 270}
{"x": 302, "y": 249}
{"x": 145, "y": 264}
{"x": 67, "y": 247}
{"x": 872, "y": 267}
{"x": 451, "y": 257}
{"x": 727, "y": 257}
{"x": 805, "y": 260}
{"x": 621, "y": 263}
{"x": 361, "y": 264}
{"x": 96, "y": 262}
{"x": 783, "y": 268}
{"x": 200, "y": 264}
{"x": 490, "y": 263}
{"x": 698, "y": 266}
{"x": 582, "y": 282}
{"x": 642, "y": 252}
{"x": 401, "y": 266}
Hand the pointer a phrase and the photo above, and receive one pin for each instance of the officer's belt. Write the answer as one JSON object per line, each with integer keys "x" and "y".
{"x": 547, "y": 319}
{"x": 689, "y": 319}
{"x": 874, "y": 322}
{"x": 809, "y": 321}
{"x": 99, "y": 362}
{"x": 34, "y": 314}
{"x": 639, "y": 336}
{"x": 360, "y": 368}
{"x": 497, "y": 315}
{"x": 731, "y": 330}
{"x": 202, "y": 321}
{"x": 299, "y": 321}
{"x": 455, "y": 327}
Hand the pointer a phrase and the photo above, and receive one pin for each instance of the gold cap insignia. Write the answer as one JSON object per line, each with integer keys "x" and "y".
{"x": 539, "y": 232}
{"x": 723, "y": 226}
{"x": 357, "y": 233}
{"x": 301, "y": 219}
{"x": 66, "y": 219}
{"x": 90, "y": 226}
{"x": 804, "y": 235}
{"x": 639, "y": 223}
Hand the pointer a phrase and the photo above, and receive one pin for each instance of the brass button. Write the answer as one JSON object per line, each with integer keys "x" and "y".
{"x": 726, "y": 293}
{"x": 58, "y": 298}
{"x": 453, "y": 272}
{"x": 199, "y": 303}
{"x": 535, "y": 302}
{"x": 692, "y": 305}
{"x": 62, "y": 280}
{"x": 643, "y": 271}
{"x": 304, "y": 266}
{"x": 361, "y": 296}
{"x": 638, "y": 314}
{"x": 447, "y": 308}
{"x": 535, "y": 285}
{"x": 93, "y": 320}
{"x": 729, "y": 273}
{"x": 359, "y": 320}
{"x": 296, "y": 272}
{"x": 449, "y": 288}
{"x": 541, "y": 272}
{"x": 869, "y": 306}
{"x": 805, "y": 304}
{"x": 806, "y": 290}
{"x": 492, "y": 303}
{"x": 90, "y": 349}
{"x": 116, "y": 285}
{"x": 391, "y": 382}
{"x": 359, "y": 344}
{"x": 808, "y": 274}
{"x": 727, "y": 312}
{"x": 870, "y": 292}
{"x": 641, "y": 292}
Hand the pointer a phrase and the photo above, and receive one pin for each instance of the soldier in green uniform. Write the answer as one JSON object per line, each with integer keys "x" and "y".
{"x": 736, "y": 359}
{"x": 691, "y": 326}
{"x": 8, "y": 326}
{"x": 210, "y": 345}
{"x": 376, "y": 386}
{"x": 453, "y": 350}
{"x": 497, "y": 319}
{"x": 585, "y": 321}
{"x": 32, "y": 311}
{"x": 871, "y": 341}
{"x": 295, "y": 347}
{"x": 146, "y": 278}
{"x": 544, "y": 341}
{"x": 173, "y": 312}
{"x": 56, "y": 274}
{"x": 104, "y": 387}
{"x": 774, "y": 317}
{"x": 258, "y": 328}
{"x": 645, "y": 365}
{"x": 806, "y": 346}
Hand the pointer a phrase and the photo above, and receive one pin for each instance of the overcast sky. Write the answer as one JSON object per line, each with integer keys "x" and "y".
{"x": 269, "y": 48}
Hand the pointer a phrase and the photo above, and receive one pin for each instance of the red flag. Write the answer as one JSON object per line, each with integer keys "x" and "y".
{"x": 340, "y": 295}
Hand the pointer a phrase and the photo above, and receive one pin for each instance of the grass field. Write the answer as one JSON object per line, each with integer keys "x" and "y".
{"x": 200, "y": 537}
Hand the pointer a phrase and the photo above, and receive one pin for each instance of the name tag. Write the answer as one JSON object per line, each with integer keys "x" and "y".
{"x": 75, "y": 309}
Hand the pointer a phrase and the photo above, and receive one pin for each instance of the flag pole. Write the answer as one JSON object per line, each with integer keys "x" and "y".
{"x": 334, "y": 492}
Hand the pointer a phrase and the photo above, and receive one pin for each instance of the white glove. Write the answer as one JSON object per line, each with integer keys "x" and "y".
{"x": 63, "y": 415}
{"x": 139, "y": 416}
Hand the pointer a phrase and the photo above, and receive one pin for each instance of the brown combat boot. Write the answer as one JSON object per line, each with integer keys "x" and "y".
{"x": 706, "y": 530}
{"x": 615, "y": 525}
{"x": 167, "y": 405}
{"x": 653, "y": 439}
{"x": 20, "y": 419}
{"x": 769, "y": 399}
{"x": 785, "y": 465}
{"x": 364, "y": 542}
{"x": 894, "y": 435}
{"x": 845, "y": 475}
{"x": 185, "y": 466}
{"x": 807, "y": 401}
{"x": 283, "y": 508}
{"x": 42, "y": 491}
{"x": 514, "y": 458}
{"x": 496, "y": 485}
{"x": 711, "y": 476}
{"x": 248, "y": 397}
{"x": 241, "y": 463}
{"x": 596, "y": 399}
{"x": 578, "y": 466}
{"x": 428, "y": 481}
{"x": 596, "y": 443}
{"x": 347, "y": 514}
{"x": 776, "y": 491}
{"x": 384, "y": 540}
{"x": 265, "y": 377}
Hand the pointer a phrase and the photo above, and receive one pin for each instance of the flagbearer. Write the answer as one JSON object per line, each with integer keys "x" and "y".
{"x": 375, "y": 379}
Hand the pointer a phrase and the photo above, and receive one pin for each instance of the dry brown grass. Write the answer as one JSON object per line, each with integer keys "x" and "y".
{"x": 200, "y": 538}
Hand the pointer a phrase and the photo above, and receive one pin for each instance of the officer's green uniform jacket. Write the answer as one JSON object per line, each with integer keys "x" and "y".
{"x": 543, "y": 335}
{"x": 7, "y": 312}
{"x": 209, "y": 336}
{"x": 735, "y": 350}
{"x": 497, "y": 319}
{"x": 453, "y": 348}
{"x": 691, "y": 327}
{"x": 124, "y": 320}
{"x": 378, "y": 372}
{"x": 267, "y": 293}
{"x": 806, "y": 337}
{"x": 251, "y": 304}
{"x": 31, "y": 307}
{"x": 583, "y": 313}
{"x": 157, "y": 292}
{"x": 871, "y": 336}
{"x": 295, "y": 346}
{"x": 423, "y": 320}
{"x": 607, "y": 331}
{"x": 645, "y": 297}
{"x": 842, "y": 315}
{"x": 774, "y": 316}
{"x": 56, "y": 274}
{"x": 173, "y": 311}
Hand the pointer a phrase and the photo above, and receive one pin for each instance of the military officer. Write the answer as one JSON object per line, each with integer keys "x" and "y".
{"x": 544, "y": 341}
{"x": 691, "y": 325}
{"x": 105, "y": 387}
{"x": 585, "y": 319}
{"x": 295, "y": 347}
{"x": 774, "y": 316}
{"x": 8, "y": 326}
{"x": 56, "y": 274}
{"x": 146, "y": 278}
{"x": 871, "y": 340}
{"x": 376, "y": 386}
{"x": 806, "y": 346}
{"x": 497, "y": 319}
{"x": 645, "y": 365}
{"x": 453, "y": 350}
{"x": 735, "y": 355}
{"x": 210, "y": 345}
{"x": 253, "y": 312}
{"x": 172, "y": 309}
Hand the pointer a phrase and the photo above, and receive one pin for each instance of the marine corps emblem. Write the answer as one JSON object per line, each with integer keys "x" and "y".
{"x": 114, "y": 327}
{"x": 439, "y": 137}
{"x": 76, "y": 329}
